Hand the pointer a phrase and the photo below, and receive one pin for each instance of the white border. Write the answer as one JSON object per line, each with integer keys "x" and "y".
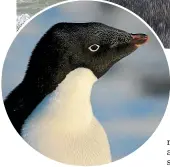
{"x": 15, "y": 152}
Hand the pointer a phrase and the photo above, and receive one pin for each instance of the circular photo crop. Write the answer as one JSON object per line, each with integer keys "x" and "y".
{"x": 85, "y": 82}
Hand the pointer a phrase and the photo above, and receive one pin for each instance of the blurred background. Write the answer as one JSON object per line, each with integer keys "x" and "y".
{"x": 156, "y": 13}
{"x": 130, "y": 100}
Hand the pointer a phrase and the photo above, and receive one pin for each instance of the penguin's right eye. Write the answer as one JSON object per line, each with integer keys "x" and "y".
{"x": 94, "y": 48}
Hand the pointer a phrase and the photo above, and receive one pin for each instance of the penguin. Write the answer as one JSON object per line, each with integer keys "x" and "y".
{"x": 51, "y": 107}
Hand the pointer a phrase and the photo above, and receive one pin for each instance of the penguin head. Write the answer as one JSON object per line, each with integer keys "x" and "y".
{"x": 67, "y": 46}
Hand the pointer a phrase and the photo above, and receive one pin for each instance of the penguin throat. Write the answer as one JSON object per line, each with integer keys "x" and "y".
{"x": 73, "y": 93}
{"x": 68, "y": 107}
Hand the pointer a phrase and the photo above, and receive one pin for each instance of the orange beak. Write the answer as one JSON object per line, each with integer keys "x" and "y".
{"x": 139, "y": 39}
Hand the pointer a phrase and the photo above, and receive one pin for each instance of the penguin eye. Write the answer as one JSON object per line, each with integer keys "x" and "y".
{"x": 94, "y": 48}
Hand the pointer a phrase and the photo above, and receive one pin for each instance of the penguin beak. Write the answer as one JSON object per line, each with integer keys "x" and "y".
{"x": 139, "y": 39}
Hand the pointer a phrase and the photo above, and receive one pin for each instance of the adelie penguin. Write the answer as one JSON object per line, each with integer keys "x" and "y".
{"x": 51, "y": 107}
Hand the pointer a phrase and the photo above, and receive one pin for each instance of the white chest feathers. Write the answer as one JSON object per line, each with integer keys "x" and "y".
{"x": 63, "y": 127}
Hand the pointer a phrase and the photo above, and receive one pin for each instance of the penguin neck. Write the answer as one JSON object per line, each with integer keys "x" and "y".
{"x": 69, "y": 106}
{"x": 35, "y": 86}
{"x": 76, "y": 90}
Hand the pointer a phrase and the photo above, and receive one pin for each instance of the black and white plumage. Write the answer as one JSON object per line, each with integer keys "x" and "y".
{"x": 51, "y": 107}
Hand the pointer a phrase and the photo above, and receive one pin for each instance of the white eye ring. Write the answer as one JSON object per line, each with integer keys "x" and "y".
{"x": 94, "y": 48}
